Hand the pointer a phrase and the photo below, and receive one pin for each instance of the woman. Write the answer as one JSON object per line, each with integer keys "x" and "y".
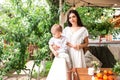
{"x": 77, "y": 36}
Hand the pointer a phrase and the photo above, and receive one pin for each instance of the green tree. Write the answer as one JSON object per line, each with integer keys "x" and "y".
{"x": 96, "y": 19}
{"x": 23, "y": 22}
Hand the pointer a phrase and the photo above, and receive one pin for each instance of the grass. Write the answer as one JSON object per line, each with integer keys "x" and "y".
{"x": 44, "y": 74}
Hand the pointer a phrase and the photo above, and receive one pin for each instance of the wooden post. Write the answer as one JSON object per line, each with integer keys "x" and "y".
{"x": 61, "y": 13}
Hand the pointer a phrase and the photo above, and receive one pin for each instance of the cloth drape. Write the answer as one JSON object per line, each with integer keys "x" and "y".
{"x": 104, "y": 55}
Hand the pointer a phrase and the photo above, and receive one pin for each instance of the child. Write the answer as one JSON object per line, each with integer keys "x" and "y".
{"x": 59, "y": 42}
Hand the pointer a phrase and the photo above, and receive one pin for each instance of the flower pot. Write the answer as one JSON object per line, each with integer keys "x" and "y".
{"x": 96, "y": 70}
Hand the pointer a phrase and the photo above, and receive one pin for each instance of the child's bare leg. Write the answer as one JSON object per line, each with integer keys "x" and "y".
{"x": 69, "y": 75}
{"x": 75, "y": 75}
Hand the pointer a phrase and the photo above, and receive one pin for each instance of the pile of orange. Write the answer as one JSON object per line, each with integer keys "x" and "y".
{"x": 105, "y": 75}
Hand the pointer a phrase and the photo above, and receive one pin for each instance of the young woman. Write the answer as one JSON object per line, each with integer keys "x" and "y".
{"x": 77, "y": 35}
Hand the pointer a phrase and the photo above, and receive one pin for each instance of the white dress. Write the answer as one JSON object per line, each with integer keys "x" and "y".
{"x": 58, "y": 70}
{"x": 77, "y": 56}
{"x": 63, "y": 48}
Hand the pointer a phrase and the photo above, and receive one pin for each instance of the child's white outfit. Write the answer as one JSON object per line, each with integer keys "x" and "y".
{"x": 61, "y": 63}
{"x": 62, "y": 51}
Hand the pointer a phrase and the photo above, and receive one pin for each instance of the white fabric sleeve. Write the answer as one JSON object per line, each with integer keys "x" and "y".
{"x": 64, "y": 31}
{"x": 51, "y": 41}
{"x": 86, "y": 34}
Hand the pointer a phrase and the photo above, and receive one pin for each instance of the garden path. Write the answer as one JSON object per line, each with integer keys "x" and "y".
{"x": 24, "y": 73}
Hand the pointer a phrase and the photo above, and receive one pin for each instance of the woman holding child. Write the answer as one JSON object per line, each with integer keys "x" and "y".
{"x": 77, "y": 39}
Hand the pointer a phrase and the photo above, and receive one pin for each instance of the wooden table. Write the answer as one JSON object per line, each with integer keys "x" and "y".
{"x": 82, "y": 73}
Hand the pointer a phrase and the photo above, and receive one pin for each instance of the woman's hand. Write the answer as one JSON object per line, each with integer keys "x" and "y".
{"x": 77, "y": 46}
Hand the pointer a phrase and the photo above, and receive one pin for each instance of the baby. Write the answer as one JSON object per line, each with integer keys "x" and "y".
{"x": 58, "y": 43}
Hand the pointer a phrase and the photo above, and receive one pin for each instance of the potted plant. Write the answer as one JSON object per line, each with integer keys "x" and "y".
{"x": 96, "y": 66}
{"x": 116, "y": 69}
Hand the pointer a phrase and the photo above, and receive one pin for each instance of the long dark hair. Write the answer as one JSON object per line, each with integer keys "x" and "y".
{"x": 79, "y": 22}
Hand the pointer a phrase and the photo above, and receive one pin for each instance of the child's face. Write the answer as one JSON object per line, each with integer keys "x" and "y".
{"x": 56, "y": 34}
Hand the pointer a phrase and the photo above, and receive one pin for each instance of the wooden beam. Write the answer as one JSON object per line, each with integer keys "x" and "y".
{"x": 60, "y": 9}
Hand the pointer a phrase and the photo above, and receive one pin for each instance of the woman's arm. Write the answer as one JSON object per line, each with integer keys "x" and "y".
{"x": 83, "y": 45}
{"x": 69, "y": 44}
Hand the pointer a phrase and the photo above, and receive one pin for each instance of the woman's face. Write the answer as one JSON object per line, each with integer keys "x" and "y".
{"x": 72, "y": 18}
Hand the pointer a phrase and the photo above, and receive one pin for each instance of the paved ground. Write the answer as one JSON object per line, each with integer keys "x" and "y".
{"x": 21, "y": 78}
{"x": 24, "y": 74}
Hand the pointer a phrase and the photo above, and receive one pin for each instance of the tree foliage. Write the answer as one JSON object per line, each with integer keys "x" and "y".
{"x": 96, "y": 19}
{"x": 24, "y": 22}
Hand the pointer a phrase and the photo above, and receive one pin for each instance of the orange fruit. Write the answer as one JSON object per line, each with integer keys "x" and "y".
{"x": 110, "y": 77}
{"x": 95, "y": 78}
{"x": 110, "y": 72}
{"x": 105, "y": 72}
{"x": 105, "y": 77}
{"x": 99, "y": 75}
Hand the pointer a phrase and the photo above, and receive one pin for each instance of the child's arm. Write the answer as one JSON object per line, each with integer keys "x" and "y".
{"x": 53, "y": 47}
{"x": 53, "y": 50}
